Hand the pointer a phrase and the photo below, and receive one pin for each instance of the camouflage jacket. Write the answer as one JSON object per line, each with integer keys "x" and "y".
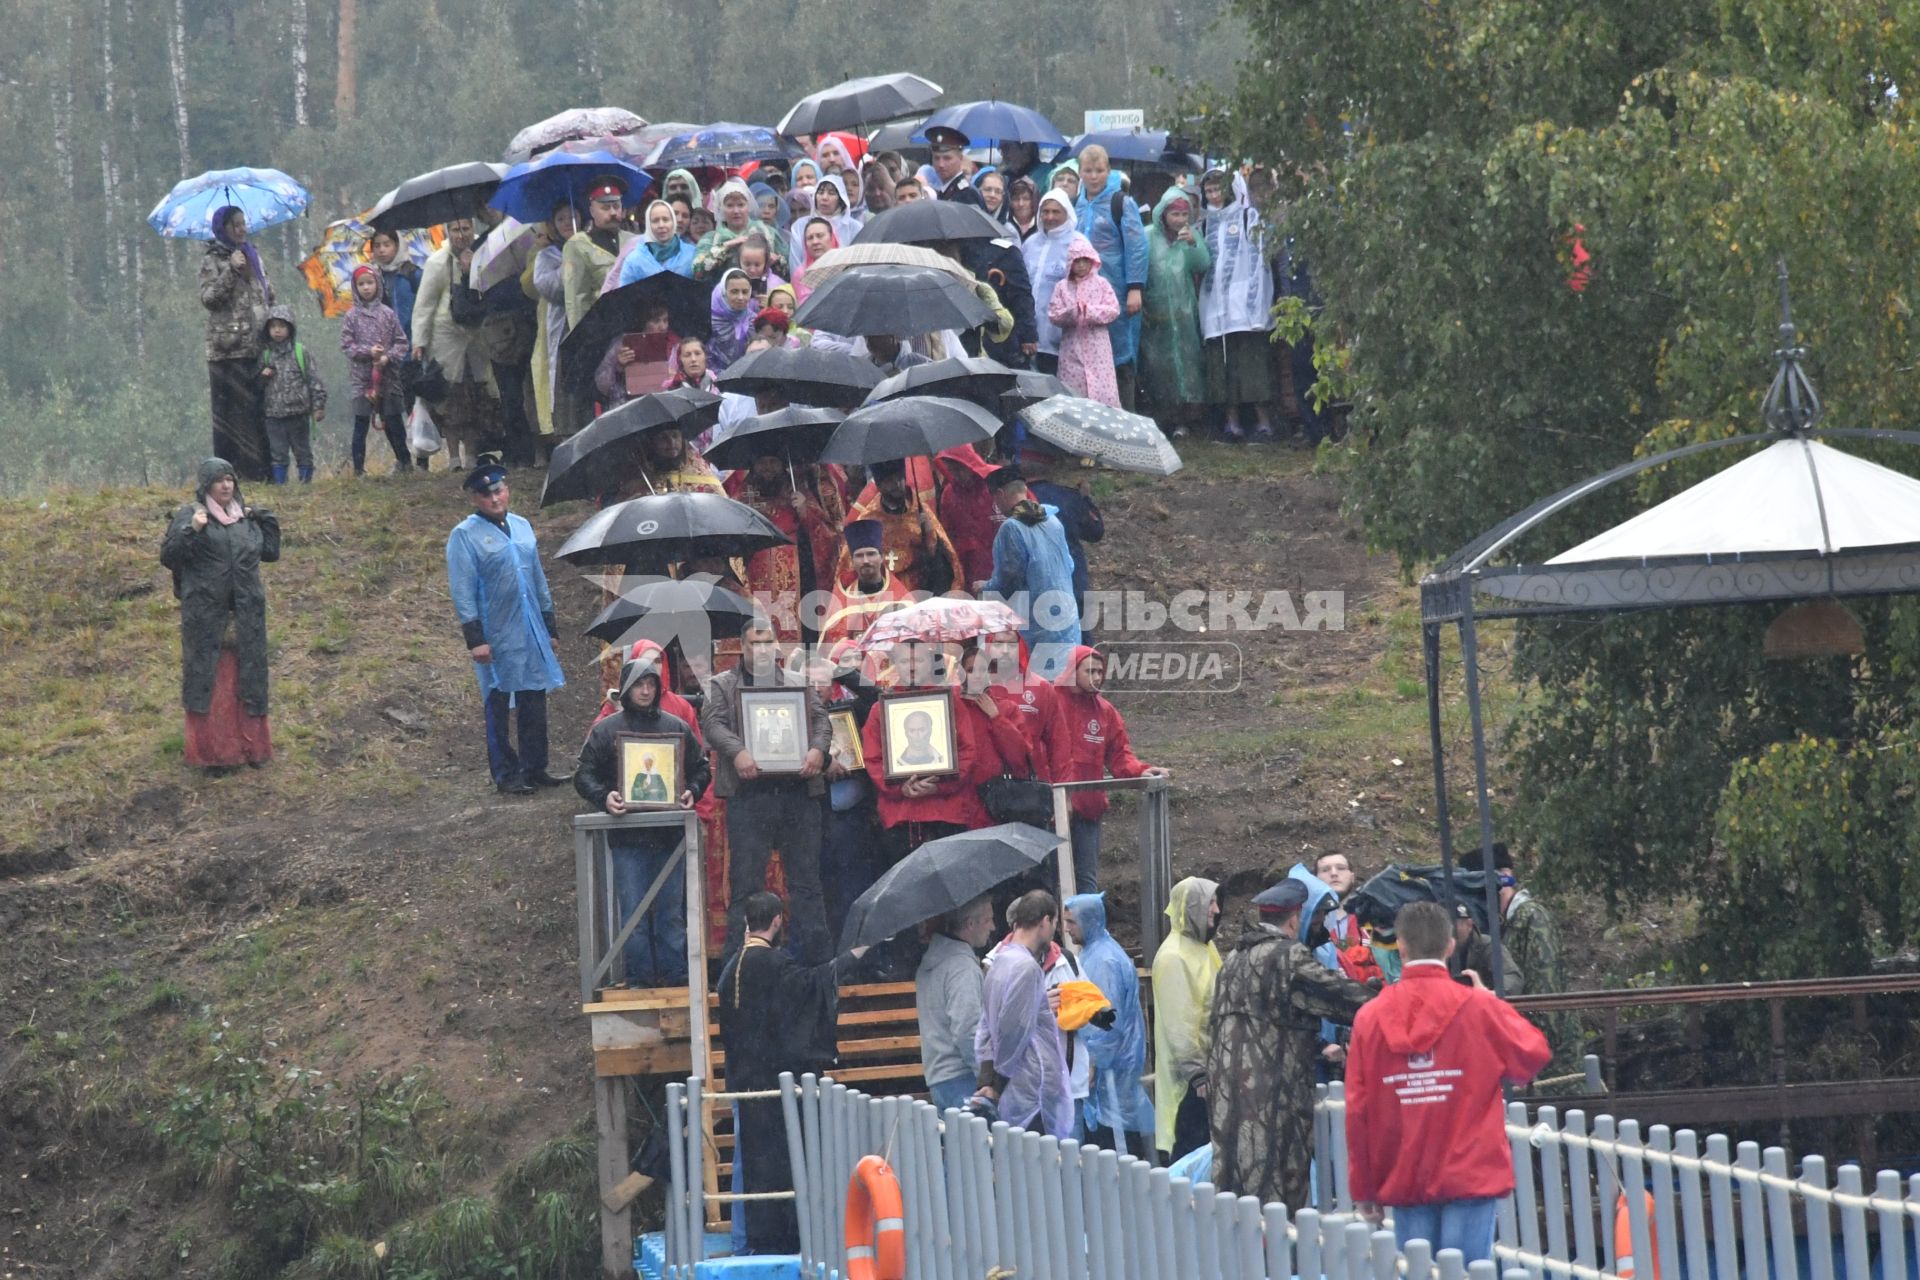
{"x": 1267, "y": 1008}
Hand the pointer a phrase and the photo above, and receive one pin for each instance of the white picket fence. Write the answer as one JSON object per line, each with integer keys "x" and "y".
{"x": 982, "y": 1198}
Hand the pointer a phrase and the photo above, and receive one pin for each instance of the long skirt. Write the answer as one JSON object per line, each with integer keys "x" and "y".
{"x": 1237, "y": 370}
{"x": 225, "y": 735}
{"x": 239, "y": 415}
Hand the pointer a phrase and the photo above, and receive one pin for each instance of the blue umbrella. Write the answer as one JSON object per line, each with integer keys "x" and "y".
{"x": 267, "y": 196}
{"x": 992, "y": 122}
{"x": 1153, "y": 147}
{"x": 531, "y": 191}
{"x": 721, "y": 146}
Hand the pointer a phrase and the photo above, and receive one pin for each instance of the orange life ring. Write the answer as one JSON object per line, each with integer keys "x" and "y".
{"x": 1623, "y": 1239}
{"x": 876, "y": 1223}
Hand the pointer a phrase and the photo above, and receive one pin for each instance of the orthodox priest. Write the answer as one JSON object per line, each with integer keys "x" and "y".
{"x": 775, "y": 1016}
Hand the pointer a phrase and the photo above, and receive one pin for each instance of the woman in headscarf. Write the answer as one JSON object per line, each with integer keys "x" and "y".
{"x": 768, "y": 207}
{"x": 1236, "y": 303}
{"x": 992, "y": 186}
{"x": 215, "y": 546}
{"x": 543, "y": 281}
{"x": 817, "y": 239}
{"x": 734, "y": 307}
{"x": 805, "y": 176}
{"x": 660, "y": 248}
{"x": 1170, "y": 358}
{"x": 236, "y": 294}
{"x": 1047, "y": 256}
{"x": 830, "y": 202}
{"x": 719, "y": 249}
{"x": 1021, "y": 212}
{"x": 681, "y": 182}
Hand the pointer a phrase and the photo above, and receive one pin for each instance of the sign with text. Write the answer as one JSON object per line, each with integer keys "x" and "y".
{"x": 1129, "y": 118}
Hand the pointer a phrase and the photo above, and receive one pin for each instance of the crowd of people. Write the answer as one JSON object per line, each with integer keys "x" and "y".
{"x": 1158, "y": 297}
{"x": 1028, "y": 1008}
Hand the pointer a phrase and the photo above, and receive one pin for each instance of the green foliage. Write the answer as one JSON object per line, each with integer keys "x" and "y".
{"x": 299, "y": 1154}
{"x": 1436, "y": 176}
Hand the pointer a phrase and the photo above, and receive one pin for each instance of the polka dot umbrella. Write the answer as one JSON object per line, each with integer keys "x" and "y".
{"x": 1112, "y": 437}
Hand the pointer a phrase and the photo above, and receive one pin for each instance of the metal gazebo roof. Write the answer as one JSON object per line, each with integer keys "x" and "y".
{"x": 1798, "y": 519}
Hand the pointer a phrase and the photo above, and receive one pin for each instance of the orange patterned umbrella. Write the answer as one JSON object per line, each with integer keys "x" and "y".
{"x": 328, "y": 270}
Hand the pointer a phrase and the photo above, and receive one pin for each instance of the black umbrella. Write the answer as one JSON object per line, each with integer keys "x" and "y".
{"x": 797, "y": 433}
{"x": 899, "y": 137}
{"x": 853, "y": 103}
{"x": 696, "y": 608}
{"x": 689, "y": 314}
{"x": 917, "y": 426}
{"x": 941, "y": 876}
{"x": 433, "y": 198}
{"x": 804, "y": 375}
{"x": 974, "y": 377}
{"x": 929, "y": 221}
{"x": 1031, "y": 387}
{"x": 594, "y": 461}
{"x": 671, "y": 528}
{"x": 1141, "y": 148}
{"x": 900, "y": 301}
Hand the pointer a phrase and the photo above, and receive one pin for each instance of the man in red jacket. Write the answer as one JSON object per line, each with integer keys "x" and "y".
{"x": 1097, "y": 737}
{"x": 1426, "y": 1128}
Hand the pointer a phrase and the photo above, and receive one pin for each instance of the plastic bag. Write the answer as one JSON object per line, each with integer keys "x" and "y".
{"x": 423, "y": 437}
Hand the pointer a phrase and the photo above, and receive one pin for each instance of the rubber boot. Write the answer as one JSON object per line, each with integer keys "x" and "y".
{"x": 306, "y": 475}
{"x": 278, "y": 474}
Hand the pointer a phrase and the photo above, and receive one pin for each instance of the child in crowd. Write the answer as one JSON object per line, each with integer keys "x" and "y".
{"x": 375, "y": 345}
{"x": 734, "y": 308}
{"x": 295, "y": 398}
{"x": 1083, "y": 305}
{"x": 699, "y": 223}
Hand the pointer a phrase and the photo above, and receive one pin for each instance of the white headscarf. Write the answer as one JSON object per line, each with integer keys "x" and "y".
{"x": 1048, "y": 255}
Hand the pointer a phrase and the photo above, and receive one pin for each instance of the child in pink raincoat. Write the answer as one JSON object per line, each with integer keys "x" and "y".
{"x": 1083, "y": 305}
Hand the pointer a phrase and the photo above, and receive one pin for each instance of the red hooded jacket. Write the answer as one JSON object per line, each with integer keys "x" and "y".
{"x": 1097, "y": 741}
{"x": 1425, "y": 1119}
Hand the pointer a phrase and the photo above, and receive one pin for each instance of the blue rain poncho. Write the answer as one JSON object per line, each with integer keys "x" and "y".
{"x": 496, "y": 580}
{"x": 1119, "y": 1054}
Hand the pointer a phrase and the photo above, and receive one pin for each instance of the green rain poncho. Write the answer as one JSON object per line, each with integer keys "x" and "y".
{"x": 1170, "y": 352}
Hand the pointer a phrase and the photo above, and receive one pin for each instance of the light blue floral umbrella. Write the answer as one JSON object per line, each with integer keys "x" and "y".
{"x": 267, "y": 196}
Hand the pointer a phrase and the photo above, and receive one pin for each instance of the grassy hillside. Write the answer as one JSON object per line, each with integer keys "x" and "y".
{"x": 271, "y": 1019}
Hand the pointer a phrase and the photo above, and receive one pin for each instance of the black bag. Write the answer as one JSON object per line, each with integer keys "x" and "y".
{"x": 1011, "y": 799}
{"x": 424, "y": 379}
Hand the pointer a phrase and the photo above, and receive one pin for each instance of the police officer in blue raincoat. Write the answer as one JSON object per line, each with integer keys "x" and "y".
{"x": 1118, "y": 1051}
{"x": 505, "y": 611}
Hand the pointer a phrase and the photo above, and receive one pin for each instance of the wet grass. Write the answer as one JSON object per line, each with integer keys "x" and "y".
{"x": 89, "y": 642}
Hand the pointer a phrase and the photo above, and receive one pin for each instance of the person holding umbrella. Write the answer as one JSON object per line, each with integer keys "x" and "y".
{"x": 505, "y": 611}
{"x": 785, "y": 576}
{"x": 559, "y": 410}
{"x": 588, "y": 257}
{"x": 236, "y": 294}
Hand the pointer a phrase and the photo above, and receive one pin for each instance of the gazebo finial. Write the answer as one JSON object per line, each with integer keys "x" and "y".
{"x": 1791, "y": 406}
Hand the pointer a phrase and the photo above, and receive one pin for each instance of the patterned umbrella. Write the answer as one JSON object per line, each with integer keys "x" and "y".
{"x": 328, "y": 270}
{"x": 939, "y": 620}
{"x": 1112, "y": 437}
{"x": 268, "y": 197}
{"x": 580, "y": 122}
{"x": 722, "y": 145}
{"x": 502, "y": 255}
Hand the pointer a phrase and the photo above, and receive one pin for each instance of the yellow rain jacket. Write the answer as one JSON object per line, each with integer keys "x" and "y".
{"x": 1184, "y": 970}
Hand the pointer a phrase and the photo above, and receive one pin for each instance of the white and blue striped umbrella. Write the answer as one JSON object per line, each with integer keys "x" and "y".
{"x": 267, "y": 196}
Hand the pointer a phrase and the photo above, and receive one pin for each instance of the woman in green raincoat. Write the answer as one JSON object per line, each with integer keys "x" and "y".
{"x": 1172, "y": 366}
